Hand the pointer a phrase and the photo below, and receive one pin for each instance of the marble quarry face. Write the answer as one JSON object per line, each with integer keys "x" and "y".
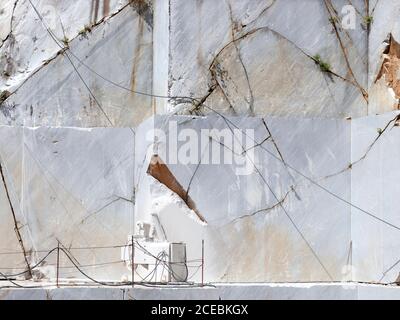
{"x": 275, "y": 222}
{"x": 268, "y": 129}
{"x": 67, "y": 185}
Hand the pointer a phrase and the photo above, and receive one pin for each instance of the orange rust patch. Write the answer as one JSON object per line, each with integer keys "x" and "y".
{"x": 390, "y": 69}
{"x": 160, "y": 171}
{"x": 106, "y": 7}
{"x": 138, "y": 55}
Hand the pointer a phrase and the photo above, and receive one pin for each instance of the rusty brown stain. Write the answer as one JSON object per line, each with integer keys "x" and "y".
{"x": 144, "y": 10}
{"x": 160, "y": 171}
{"x": 391, "y": 66}
{"x": 137, "y": 54}
{"x": 95, "y": 9}
{"x": 200, "y": 57}
{"x": 106, "y": 7}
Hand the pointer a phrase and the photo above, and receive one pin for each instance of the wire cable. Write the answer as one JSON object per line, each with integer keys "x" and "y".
{"x": 305, "y": 176}
{"x": 89, "y": 277}
{"x": 72, "y": 64}
{"x": 216, "y": 112}
{"x": 33, "y": 267}
{"x": 166, "y": 265}
{"x": 66, "y": 48}
{"x": 316, "y": 256}
{"x": 72, "y": 248}
{"x": 194, "y": 99}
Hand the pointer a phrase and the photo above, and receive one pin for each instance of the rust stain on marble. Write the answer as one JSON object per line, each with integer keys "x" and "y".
{"x": 106, "y": 7}
{"x": 390, "y": 70}
{"x": 137, "y": 55}
{"x": 160, "y": 171}
{"x": 95, "y": 10}
{"x": 144, "y": 10}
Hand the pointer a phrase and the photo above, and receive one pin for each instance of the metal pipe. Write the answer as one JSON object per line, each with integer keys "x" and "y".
{"x": 202, "y": 262}
{"x": 58, "y": 262}
{"x": 133, "y": 262}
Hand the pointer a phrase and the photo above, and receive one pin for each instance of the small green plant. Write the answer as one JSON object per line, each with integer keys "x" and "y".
{"x": 86, "y": 29}
{"x": 65, "y": 40}
{"x": 368, "y": 20}
{"x": 324, "y": 66}
{"x": 333, "y": 20}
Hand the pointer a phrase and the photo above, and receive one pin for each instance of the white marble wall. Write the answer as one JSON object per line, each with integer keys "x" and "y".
{"x": 323, "y": 291}
{"x": 118, "y": 60}
{"x": 242, "y": 58}
{"x": 375, "y": 189}
{"x": 75, "y": 186}
{"x": 68, "y": 185}
{"x": 248, "y": 235}
{"x": 259, "y": 58}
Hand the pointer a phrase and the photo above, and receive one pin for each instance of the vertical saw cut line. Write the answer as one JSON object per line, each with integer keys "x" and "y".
{"x": 19, "y": 237}
{"x": 160, "y": 171}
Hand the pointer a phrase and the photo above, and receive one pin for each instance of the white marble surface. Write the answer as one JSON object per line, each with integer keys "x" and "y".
{"x": 26, "y": 43}
{"x": 283, "y": 291}
{"x": 76, "y": 185}
{"x": 118, "y": 49}
{"x": 245, "y": 221}
{"x": 68, "y": 185}
{"x": 258, "y": 60}
{"x": 375, "y": 189}
{"x": 79, "y": 185}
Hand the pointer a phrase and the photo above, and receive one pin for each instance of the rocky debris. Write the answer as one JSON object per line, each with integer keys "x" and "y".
{"x": 390, "y": 70}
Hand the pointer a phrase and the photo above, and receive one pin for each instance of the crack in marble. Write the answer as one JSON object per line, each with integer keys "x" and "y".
{"x": 197, "y": 105}
{"x": 66, "y": 48}
{"x": 380, "y": 133}
{"x": 329, "y": 7}
{"x": 394, "y": 121}
{"x": 11, "y": 24}
{"x": 373, "y": 9}
{"x": 214, "y": 63}
{"x": 259, "y": 144}
{"x": 251, "y": 100}
{"x": 117, "y": 198}
{"x": 261, "y": 13}
{"x": 266, "y": 210}
{"x": 16, "y": 228}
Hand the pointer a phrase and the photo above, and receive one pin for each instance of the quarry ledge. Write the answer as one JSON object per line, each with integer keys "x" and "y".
{"x": 214, "y": 291}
